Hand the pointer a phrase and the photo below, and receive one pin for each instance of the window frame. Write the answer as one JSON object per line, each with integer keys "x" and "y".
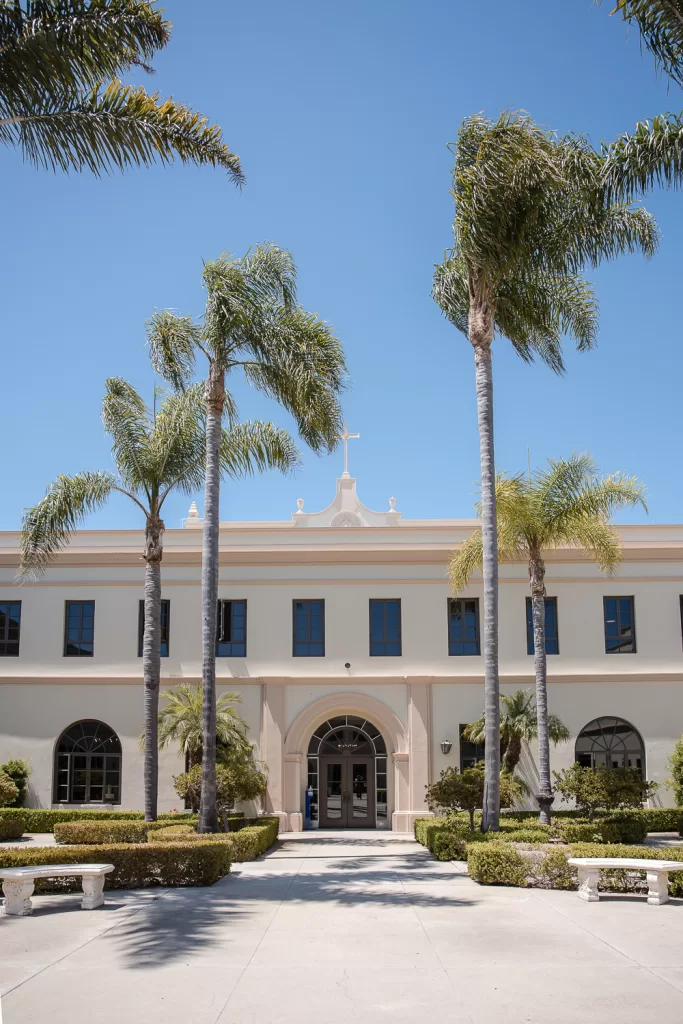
{"x": 87, "y": 769}
{"x": 81, "y": 654}
{"x": 165, "y": 601}
{"x": 308, "y": 601}
{"x": 385, "y": 600}
{"x": 617, "y": 598}
{"x": 450, "y": 601}
{"x": 222, "y": 601}
{"x": 3, "y": 640}
{"x": 530, "y": 628}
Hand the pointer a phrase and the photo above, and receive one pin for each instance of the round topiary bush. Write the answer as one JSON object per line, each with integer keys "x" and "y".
{"x": 11, "y": 825}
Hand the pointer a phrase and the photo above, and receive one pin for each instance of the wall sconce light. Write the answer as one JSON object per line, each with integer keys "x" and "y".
{"x": 446, "y": 746}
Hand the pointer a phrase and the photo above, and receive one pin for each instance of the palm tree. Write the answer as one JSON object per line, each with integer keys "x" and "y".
{"x": 180, "y": 721}
{"x": 63, "y": 104}
{"x": 531, "y": 211}
{"x": 518, "y": 722}
{"x": 156, "y": 452}
{"x": 661, "y": 29}
{"x": 565, "y": 504}
{"x": 252, "y": 323}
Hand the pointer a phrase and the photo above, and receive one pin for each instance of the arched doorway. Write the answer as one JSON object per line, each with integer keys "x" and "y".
{"x": 612, "y": 743}
{"x": 88, "y": 764}
{"x": 347, "y": 774}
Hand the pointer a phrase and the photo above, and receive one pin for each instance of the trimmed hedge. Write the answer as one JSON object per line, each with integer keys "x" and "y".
{"x": 11, "y": 824}
{"x": 448, "y": 845}
{"x": 245, "y": 844}
{"x": 90, "y": 833}
{"x": 136, "y": 866}
{"x": 41, "y": 819}
{"x": 496, "y": 864}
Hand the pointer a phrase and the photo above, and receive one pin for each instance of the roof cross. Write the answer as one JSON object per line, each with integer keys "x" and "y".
{"x": 346, "y": 437}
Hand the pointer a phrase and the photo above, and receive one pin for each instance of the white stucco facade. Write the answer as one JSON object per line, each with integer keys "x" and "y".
{"x": 344, "y": 556}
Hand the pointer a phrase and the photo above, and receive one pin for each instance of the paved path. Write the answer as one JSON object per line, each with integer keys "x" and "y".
{"x": 344, "y": 927}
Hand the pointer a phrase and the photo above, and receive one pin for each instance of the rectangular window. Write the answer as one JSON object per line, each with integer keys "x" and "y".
{"x": 552, "y": 638}
{"x": 10, "y": 624}
{"x": 620, "y": 625}
{"x": 463, "y": 626}
{"x": 165, "y": 627}
{"x": 79, "y": 629}
{"x": 309, "y": 629}
{"x": 385, "y": 628}
{"x": 231, "y": 631}
{"x": 470, "y": 752}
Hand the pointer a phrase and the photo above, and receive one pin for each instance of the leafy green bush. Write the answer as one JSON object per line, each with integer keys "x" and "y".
{"x": 40, "y": 819}
{"x": 174, "y": 834}
{"x": 603, "y": 788}
{"x": 89, "y": 833}
{"x": 675, "y": 764}
{"x": 18, "y": 771}
{"x": 496, "y": 864}
{"x": 245, "y": 844}
{"x": 522, "y": 835}
{"x": 136, "y": 865}
{"x": 235, "y": 781}
{"x": 8, "y": 791}
{"x": 11, "y": 825}
{"x": 449, "y": 846}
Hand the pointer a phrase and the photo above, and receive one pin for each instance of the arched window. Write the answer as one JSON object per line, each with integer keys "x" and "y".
{"x": 346, "y": 734}
{"x": 88, "y": 765}
{"x": 611, "y": 742}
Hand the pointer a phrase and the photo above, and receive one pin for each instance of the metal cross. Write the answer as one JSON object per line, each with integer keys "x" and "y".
{"x": 345, "y": 437}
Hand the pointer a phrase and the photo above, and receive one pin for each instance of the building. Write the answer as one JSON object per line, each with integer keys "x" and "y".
{"x": 356, "y": 668}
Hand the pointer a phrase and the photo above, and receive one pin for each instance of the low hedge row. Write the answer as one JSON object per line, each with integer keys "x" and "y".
{"x": 91, "y": 833}
{"x": 655, "y": 819}
{"x": 245, "y": 844}
{"x": 42, "y": 819}
{"x": 136, "y": 866}
{"x": 11, "y": 824}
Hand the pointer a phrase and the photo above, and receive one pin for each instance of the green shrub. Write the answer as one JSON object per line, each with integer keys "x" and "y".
{"x": 496, "y": 864}
{"x": 553, "y": 872}
{"x": 603, "y": 788}
{"x": 172, "y": 834}
{"x": 136, "y": 865}
{"x": 448, "y": 845}
{"x": 40, "y": 819}
{"x": 245, "y": 844}
{"x": 18, "y": 771}
{"x": 522, "y": 835}
{"x": 587, "y": 832}
{"x": 426, "y": 828}
{"x": 11, "y": 825}
{"x": 90, "y": 833}
{"x": 8, "y": 791}
{"x": 675, "y": 764}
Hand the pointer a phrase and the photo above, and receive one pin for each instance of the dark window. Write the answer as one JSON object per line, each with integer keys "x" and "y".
{"x": 79, "y": 629}
{"x": 609, "y": 743}
{"x": 231, "y": 630}
{"x": 165, "y": 627}
{"x": 552, "y": 639}
{"x": 463, "y": 626}
{"x": 10, "y": 623}
{"x": 470, "y": 752}
{"x": 620, "y": 627}
{"x": 309, "y": 629}
{"x": 385, "y": 628}
{"x": 88, "y": 765}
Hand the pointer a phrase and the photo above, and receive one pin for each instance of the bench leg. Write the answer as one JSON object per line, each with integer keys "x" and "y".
{"x": 657, "y": 887}
{"x": 588, "y": 884}
{"x": 18, "y": 897}
{"x": 93, "y": 892}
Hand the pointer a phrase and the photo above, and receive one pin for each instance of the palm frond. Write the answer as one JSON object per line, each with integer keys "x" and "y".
{"x": 661, "y": 30}
{"x": 256, "y": 446}
{"x": 128, "y": 421}
{"x": 650, "y": 155}
{"x": 177, "y": 447}
{"x": 114, "y": 127}
{"x": 47, "y": 527}
{"x": 173, "y": 341}
{"x": 464, "y": 561}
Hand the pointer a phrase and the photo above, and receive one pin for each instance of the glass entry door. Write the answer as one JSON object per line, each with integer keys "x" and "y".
{"x": 347, "y": 792}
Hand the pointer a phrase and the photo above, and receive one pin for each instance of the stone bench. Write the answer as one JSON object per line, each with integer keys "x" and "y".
{"x": 657, "y": 875}
{"x": 18, "y": 884}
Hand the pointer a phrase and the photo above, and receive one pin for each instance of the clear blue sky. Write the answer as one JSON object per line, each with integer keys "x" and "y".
{"x": 341, "y": 115}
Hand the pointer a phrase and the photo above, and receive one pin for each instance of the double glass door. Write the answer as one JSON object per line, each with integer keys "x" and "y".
{"x": 347, "y": 792}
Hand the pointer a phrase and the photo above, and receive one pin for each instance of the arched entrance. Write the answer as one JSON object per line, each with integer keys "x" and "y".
{"x": 347, "y": 774}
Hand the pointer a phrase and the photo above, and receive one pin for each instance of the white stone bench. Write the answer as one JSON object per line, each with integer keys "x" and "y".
{"x": 657, "y": 875}
{"x": 18, "y": 884}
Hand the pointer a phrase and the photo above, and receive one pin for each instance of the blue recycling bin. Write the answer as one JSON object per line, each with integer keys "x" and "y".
{"x": 309, "y": 801}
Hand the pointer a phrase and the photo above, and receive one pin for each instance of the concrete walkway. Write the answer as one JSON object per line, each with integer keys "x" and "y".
{"x": 342, "y": 927}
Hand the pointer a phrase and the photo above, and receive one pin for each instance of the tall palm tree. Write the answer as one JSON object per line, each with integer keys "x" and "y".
{"x": 531, "y": 211}
{"x": 661, "y": 29}
{"x": 156, "y": 452}
{"x": 253, "y": 324}
{"x": 565, "y": 504}
{"x": 180, "y": 721}
{"x": 63, "y": 104}
{"x": 518, "y": 722}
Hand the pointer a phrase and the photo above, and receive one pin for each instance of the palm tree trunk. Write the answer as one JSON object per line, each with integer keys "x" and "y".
{"x": 151, "y": 661}
{"x": 481, "y": 336}
{"x": 537, "y": 580}
{"x": 215, "y": 400}
{"x": 513, "y": 752}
